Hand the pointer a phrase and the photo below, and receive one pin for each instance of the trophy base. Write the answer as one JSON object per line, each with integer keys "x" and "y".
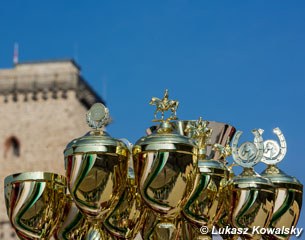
{"x": 157, "y": 228}
{"x": 195, "y": 232}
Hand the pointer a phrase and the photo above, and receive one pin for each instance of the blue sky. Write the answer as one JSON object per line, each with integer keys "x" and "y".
{"x": 241, "y": 62}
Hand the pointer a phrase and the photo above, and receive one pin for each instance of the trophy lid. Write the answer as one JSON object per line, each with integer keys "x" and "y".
{"x": 164, "y": 137}
{"x": 97, "y": 140}
{"x": 221, "y": 136}
{"x": 211, "y": 166}
{"x": 276, "y": 175}
{"x": 35, "y": 176}
{"x": 250, "y": 178}
{"x": 164, "y": 141}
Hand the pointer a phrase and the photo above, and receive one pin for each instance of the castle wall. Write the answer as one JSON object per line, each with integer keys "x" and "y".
{"x": 42, "y": 108}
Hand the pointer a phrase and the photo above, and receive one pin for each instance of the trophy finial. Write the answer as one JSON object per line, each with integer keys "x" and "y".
{"x": 274, "y": 152}
{"x": 249, "y": 153}
{"x": 224, "y": 151}
{"x": 97, "y": 116}
{"x": 200, "y": 131}
{"x": 163, "y": 105}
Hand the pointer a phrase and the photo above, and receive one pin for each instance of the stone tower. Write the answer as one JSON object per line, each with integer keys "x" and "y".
{"x": 42, "y": 108}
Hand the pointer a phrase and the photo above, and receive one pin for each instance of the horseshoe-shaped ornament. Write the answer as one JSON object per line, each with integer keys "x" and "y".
{"x": 249, "y": 153}
{"x": 274, "y": 152}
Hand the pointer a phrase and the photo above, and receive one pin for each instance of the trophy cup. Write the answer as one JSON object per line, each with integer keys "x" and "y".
{"x": 34, "y": 202}
{"x": 127, "y": 217}
{"x": 217, "y": 149}
{"x": 206, "y": 203}
{"x": 165, "y": 164}
{"x": 73, "y": 225}
{"x": 96, "y": 166}
{"x": 288, "y": 190}
{"x": 224, "y": 220}
{"x": 252, "y": 195}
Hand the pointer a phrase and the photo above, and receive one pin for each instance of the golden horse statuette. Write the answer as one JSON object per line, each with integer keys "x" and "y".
{"x": 163, "y": 105}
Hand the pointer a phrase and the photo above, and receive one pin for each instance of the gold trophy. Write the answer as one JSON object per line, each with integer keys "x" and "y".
{"x": 288, "y": 190}
{"x": 252, "y": 195}
{"x": 127, "y": 217}
{"x": 217, "y": 150}
{"x": 165, "y": 164}
{"x": 34, "y": 202}
{"x": 96, "y": 166}
{"x": 224, "y": 220}
{"x": 206, "y": 202}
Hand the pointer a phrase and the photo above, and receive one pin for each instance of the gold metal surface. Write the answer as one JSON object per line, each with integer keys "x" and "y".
{"x": 75, "y": 226}
{"x": 155, "y": 227}
{"x": 96, "y": 181}
{"x": 34, "y": 202}
{"x": 127, "y": 217}
{"x": 251, "y": 206}
{"x": 164, "y": 179}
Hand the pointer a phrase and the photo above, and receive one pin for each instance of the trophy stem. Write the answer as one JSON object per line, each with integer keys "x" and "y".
{"x": 248, "y": 172}
{"x": 97, "y": 231}
{"x": 204, "y": 237}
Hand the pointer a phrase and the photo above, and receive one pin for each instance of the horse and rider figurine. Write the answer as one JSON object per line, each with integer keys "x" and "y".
{"x": 163, "y": 105}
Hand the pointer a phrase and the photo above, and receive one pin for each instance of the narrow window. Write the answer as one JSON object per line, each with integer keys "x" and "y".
{"x": 12, "y": 146}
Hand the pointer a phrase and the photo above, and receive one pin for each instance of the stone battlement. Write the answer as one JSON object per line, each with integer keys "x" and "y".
{"x": 44, "y": 80}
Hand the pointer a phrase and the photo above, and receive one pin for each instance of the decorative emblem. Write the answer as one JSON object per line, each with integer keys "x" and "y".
{"x": 224, "y": 151}
{"x": 274, "y": 152}
{"x": 199, "y": 131}
{"x": 248, "y": 154}
{"x": 163, "y": 105}
{"x": 97, "y": 116}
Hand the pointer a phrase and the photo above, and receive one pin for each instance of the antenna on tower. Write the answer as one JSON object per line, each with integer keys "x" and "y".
{"x": 75, "y": 53}
{"x": 16, "y": 53}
